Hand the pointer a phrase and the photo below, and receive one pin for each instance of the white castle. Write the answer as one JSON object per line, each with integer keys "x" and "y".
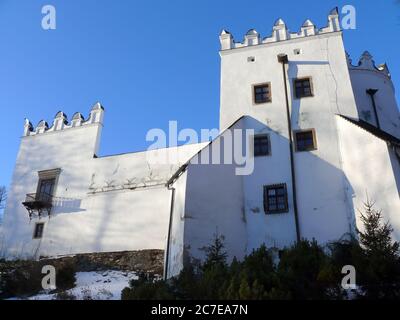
{"x": 326, "y": 135}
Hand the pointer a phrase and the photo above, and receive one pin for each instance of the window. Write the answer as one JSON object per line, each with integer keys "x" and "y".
{"x": 303, "y": 88}
{"x": 305, "y": 140}
{"x": 275, "y": 199}
{"x": 261, "y": 145}
{"x": 262, "y": 93}
{"x": 46, "y": 188}
{"x": 38, "y": 233}
{"x": 47, "y": 183}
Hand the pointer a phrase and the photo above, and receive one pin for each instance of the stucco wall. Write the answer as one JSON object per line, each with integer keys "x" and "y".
{"x": 371, "y": 170}
{"x": 177, "y": 245}
{"x": 386, "y": 105}
{"x": 214, "y": 204}
{"x": 72, "y": 151}
{"x": 322, "y": 57}
{"x": 273, "y": 230}
{"x": 101, "y": 204}
{"x": 324, "y": 208}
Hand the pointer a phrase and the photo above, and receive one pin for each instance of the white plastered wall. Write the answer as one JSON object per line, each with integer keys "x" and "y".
{"x": 371, "y": 170}
{"x": 115, "y": 203}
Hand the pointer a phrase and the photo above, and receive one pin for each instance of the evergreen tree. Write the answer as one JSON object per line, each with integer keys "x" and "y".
{"x": 214, "y": 277}
{"x": 303, "y": 272}
{"x": 376, "y": 238}
{"x": 380, "y": 271}
{"x": 215, "y": 253}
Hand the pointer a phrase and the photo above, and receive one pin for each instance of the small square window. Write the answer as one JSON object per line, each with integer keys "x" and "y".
{"x": 262, "y": 93}
{"x": 261, "y": 145}
{"x": 305, "y": 140}
{"x": 303, "y": 88}
{"x": 275, "y": 199}
{"x": 38, "y": 232}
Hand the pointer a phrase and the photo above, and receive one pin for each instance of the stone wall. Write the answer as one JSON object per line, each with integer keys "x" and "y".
{"x": 149, "y": 261}
{"x": 23, "y": 278}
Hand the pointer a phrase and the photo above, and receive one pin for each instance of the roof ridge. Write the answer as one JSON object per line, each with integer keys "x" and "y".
{"x": 377, "y": 132}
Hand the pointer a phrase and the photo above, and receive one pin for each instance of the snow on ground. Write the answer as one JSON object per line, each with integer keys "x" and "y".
{"x": 105, "y": 285}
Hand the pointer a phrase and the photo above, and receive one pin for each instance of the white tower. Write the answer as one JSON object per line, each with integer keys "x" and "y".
{"x": 375, "y": 94}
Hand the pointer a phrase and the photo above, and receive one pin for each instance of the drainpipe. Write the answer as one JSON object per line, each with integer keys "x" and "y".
{"x": 283, "y": 59}
{"x": 371, "y": 93}
{"x": 171, "y": 213}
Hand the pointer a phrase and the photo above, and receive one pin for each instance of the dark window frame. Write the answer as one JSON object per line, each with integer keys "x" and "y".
{"x": 272, "y": 201}
{"x": 301, "y": 95}
{"x": 38, "y": 230}
{"x": 296, "y": 140}
{"x": 46, "y": 176}
{"x": 269, "y": 93}
{"x": 257, "y": 152}
{"x": 46, "y": 187}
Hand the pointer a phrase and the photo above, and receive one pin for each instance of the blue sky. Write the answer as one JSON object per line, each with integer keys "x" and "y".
{"x": 147, "y": 62}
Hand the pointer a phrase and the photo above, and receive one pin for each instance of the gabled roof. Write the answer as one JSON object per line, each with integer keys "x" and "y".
{"x": 373, "y": 130}
{"x": 360, "y": 123}
{"x": 182, "y": 169}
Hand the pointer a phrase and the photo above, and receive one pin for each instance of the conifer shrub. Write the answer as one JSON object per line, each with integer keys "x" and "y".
{"x": 305, "y": 271}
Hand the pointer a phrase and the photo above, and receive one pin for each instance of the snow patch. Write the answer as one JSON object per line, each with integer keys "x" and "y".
{"x": 105, "y": 285}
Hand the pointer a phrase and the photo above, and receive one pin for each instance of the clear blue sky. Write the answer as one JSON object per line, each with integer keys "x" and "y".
{"x": 147, "y": 62}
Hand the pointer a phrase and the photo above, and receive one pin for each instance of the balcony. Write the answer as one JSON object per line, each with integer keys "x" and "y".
{"x": 37, "y": 203}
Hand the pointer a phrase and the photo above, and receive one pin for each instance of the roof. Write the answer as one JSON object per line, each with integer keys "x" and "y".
{"x": 182, "y": 169}
{"x": 373, "y": 130}
{"x": 360, "y": 123}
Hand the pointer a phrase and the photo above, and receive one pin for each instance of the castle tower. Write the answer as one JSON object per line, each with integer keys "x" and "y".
{"x": 312, "y": 52}
{"x": 292, "y": 85}
{"x": 375, "y": 94}
{"x": 50, "y": 162}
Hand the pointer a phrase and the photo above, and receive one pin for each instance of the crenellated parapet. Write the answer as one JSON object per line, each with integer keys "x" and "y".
{"x": 280, "y": 32}
{"x": 60, "y": 122}
{"x": 366, "y": 62}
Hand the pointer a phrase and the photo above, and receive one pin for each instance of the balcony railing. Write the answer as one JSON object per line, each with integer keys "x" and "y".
{"x": 37, "y": 203}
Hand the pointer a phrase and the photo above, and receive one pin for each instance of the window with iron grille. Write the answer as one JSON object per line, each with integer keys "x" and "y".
{"x": 261, "y": 145}
{"x": 262, "y": 93}
{"x": 38, "y": 232}
{"x": 305, "y": 140}
{"x": 303, "y": 88}
{"x": 275, "y": 199}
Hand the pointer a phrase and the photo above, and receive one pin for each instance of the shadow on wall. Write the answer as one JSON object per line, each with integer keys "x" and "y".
{"x": 66, "y": 206}
{"x": 325, "y": 212}
{"x": 326, "y": 181}
{"x": 37, "y": 154}
{"x": 395, "y": 161}
{"x": 100, "y": 230}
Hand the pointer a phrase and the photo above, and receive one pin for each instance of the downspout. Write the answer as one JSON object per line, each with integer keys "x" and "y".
{"x": 396, "y": 150}
{"x": 283, "y": 58}
{"x": 171, "y": 213}
{"x": 371, "y": 93}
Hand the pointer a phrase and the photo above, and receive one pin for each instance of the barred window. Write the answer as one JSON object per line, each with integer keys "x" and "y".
{"x": 303, "y": 88}
{"x": 305, "y": 140}
{"x": 261, "y": 145}
{"x": 275, "y": 199}
{"x": 262, "y": 93}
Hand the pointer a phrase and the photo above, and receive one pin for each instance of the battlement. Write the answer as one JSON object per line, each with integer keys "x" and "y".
{"x": 60, "y": 122}
{"x": 366, "y": 62}
{"x": 280, "y": 32}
